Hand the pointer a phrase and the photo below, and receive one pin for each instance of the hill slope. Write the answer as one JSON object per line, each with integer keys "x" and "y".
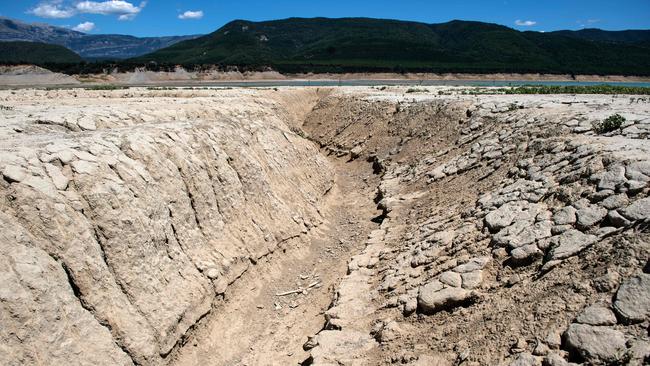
{"x": 362, "y": 44}
{"x": 599, "y": 35}
{"x": 105, "y": 46}
{"x": 36, "y": 53}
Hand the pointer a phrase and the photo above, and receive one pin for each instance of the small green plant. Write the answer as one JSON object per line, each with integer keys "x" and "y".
{"x": 609, "y": 124}
{"x": 160, "y": 88}
{"x": 513, "y": 107}
{"x": 107, "y": 87}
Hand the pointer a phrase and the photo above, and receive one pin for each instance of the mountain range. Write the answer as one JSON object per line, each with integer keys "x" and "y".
{"x": 88, "y": 46}
{"x": 35, "y": 53}
{"x": 299, "y": 45}
{"x": 363, "y": 44}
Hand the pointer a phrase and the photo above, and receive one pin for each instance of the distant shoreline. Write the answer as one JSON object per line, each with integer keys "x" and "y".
{"x": 29, "y": 75}
{"x": 150, "y": 77}
{"x": 470, "y": 77}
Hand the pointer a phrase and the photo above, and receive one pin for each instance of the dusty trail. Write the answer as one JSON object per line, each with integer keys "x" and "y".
{"x": 252, "y": 325}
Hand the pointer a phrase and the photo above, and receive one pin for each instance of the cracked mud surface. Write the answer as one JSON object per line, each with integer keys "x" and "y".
{"x": 350, "y": 226}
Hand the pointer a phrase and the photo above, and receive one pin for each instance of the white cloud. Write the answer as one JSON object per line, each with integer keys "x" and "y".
{"x": 198, "y": 14}
{"x": 588, "y": 22}
{"x": 52, "y": 10}
{"x": 55, "y": 9}
{"x": 123, "y": 9}
{"x": 525, "y": 23}
{"x": 84, "y": 27}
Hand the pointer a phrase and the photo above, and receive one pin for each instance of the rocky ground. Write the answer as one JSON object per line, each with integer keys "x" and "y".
{"x": 513, "y": 234}
{"x": 351, "y": 226}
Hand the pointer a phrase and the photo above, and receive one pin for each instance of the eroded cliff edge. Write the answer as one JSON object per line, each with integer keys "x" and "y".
{"x": 124, "y": 215}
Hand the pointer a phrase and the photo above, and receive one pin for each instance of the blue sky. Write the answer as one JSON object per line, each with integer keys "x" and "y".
{"x": 161, "y": 17}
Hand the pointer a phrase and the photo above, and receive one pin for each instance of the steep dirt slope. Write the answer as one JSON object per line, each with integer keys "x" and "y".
{"x": 125, "y": 221}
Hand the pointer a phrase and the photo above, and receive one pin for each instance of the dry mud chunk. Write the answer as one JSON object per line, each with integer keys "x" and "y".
{"x": 614, "y": 202}
{"x": 554, "y": 360}
{"x": 596, "y": 315}
{"x": 612, "y": 178}
{"x": 590, "y": 216}
{"x": 525, "y": 359}
{"x": 633, "y": 299}
{"x": 570, "y": 243}
{"x": 565, "y": 216}
{"x": 473, "y": 265}
{"x": 451, "y": 278}
{"x": 639, "y": 210}
{"x": 12, "y": 173}
{"x": 501, "y": 217}
{"x": 595, "y": 345}
{"x": 616, "y": 219}
{"x": 525, "y": 253}
{"x": 342, "y": 348}
{"x": 434, "y": 297}
{"x": 60, "y": 180}
{"x": 639, "y": 171}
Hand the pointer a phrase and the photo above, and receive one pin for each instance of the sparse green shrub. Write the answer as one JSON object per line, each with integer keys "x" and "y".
{"x": 106, "y": 87}
{"x": 609, "y": 124}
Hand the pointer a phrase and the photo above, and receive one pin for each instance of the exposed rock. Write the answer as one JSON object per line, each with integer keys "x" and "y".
{"x": 473, "y": 265}
{"x": 632, "y": 301}
{"x": 565, "y": 216}
{"x": 570, "y": 243}
{"x": 501, "y": 217}
{"x": 639, "y": 210}
{"x": 554, "y": 359}
{"x": 451, "y": 278}
{"x": 146, "y": 223}
{"x": 525, "y": 359}
{"x": 639, "y": 171}
{"x": 13, "y": 173}
{"x": 588, "y": 217}
{"x": 595, "y": 344}
{"x": 434, "y": 297}
{"x": 639, "y": 352}
{"x": 168, "y": 209}
{"x": 526, "y": 253}
{"x": 336, "y": 347}
{"x": 616, "y": 219}
{"x": 472, "y": 280}
{"x": 541, "y": 349}
{"x": 612, "y": 178}
{"x": 35, "y": 290}
{"x": 60, "y": 181}
{"x": 355, "y": 153}
{"x": 596, "y": 315}
{"x": 635, "y": 186}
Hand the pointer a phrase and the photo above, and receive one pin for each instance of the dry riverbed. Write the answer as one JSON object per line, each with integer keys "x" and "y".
{"x": 351, "y": 226}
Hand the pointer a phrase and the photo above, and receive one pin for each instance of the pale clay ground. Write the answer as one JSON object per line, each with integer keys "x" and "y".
{"x": 344, "y": 226}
